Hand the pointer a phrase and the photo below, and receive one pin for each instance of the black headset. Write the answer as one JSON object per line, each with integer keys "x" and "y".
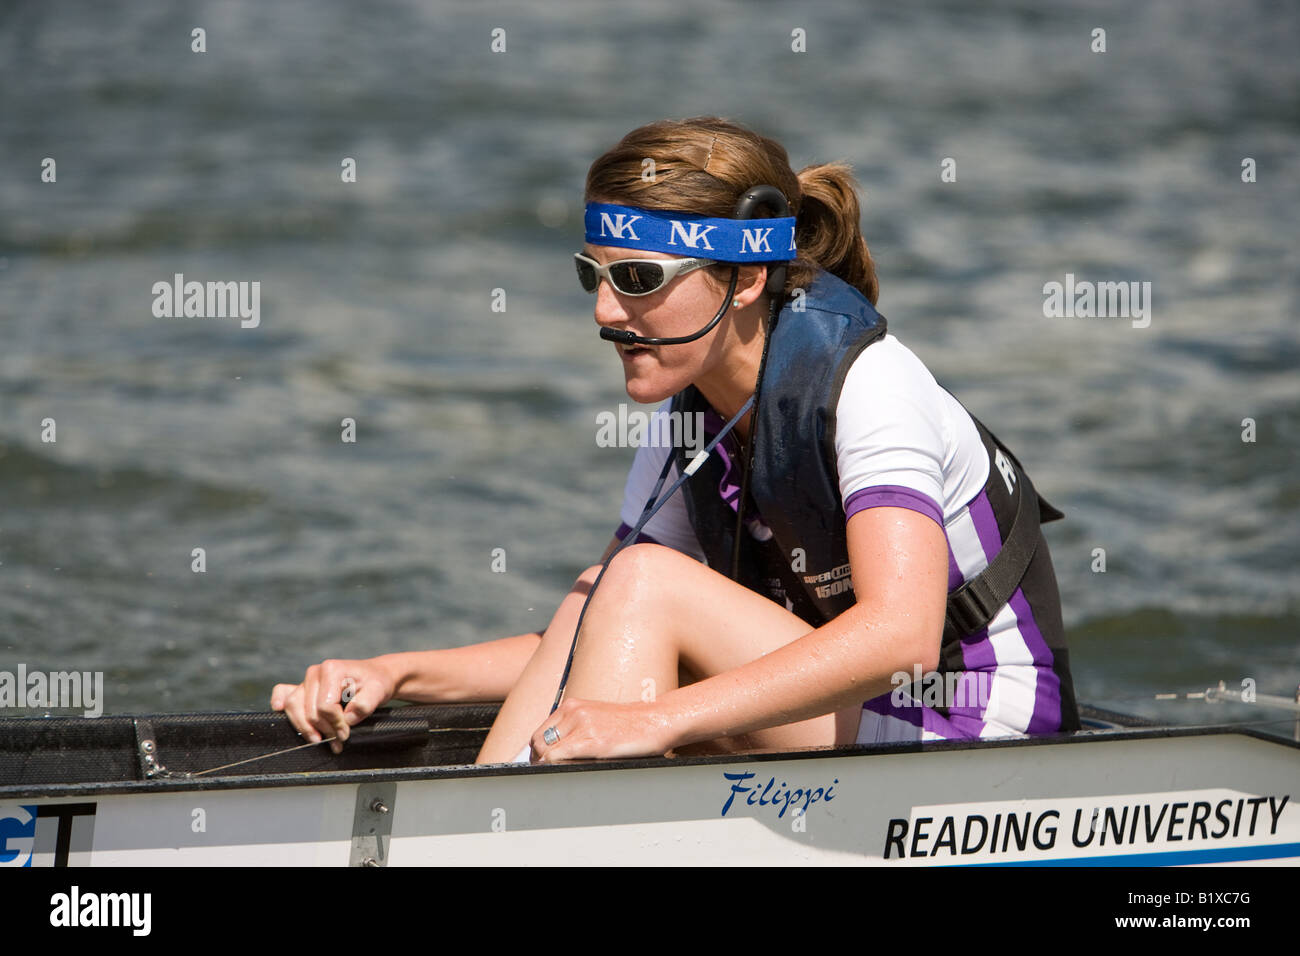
{"x": 746, "y": 208}
{"x": 774, "y": 199}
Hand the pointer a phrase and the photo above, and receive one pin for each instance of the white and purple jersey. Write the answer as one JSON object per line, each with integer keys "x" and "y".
{"x": 902, "y": 441}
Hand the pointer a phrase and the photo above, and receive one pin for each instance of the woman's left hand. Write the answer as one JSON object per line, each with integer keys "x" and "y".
{"x": 595, "y": 728}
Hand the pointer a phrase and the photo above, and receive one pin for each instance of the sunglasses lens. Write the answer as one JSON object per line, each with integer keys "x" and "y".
{"x": 587, "y": 275}
{"x": 637, "y": 278}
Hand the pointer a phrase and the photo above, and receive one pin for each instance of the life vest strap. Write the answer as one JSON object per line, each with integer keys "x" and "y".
{"x": 974, "y": 605}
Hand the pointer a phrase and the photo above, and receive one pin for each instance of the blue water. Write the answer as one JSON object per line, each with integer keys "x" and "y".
{"x": 476, "y": 429}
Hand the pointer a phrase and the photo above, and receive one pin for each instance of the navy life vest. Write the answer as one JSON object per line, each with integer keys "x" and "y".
{"x": 794, "y": 484}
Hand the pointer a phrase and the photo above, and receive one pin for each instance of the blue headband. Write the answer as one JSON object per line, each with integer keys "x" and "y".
{"x": 683, "y": 234}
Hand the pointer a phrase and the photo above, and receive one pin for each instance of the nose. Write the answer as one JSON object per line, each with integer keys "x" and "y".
{"x": 611, "y": 308}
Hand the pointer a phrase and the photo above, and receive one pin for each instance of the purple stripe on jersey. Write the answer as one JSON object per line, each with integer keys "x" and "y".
{"x": 977, "y": 651}
{"x": 974, "y": 690}
{"x": 1046, "y": 715}
{"x": 642, "y": 538}
{"x": 986, "y": 525}
{"x": 1047, "y": 689}
{"x": 955, "y": 579}
{"x": 727, "y": 488}
{"x": 893, "y": 496}
{"x": 959, "y": 726}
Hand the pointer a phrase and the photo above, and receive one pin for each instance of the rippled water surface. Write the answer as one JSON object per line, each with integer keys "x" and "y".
{"x": 476, "y": 428}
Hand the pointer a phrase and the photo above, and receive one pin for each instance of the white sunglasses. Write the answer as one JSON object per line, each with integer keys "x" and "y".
{"x": 635, "y": 276}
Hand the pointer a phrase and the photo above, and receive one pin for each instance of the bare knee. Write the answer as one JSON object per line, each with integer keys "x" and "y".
{"x": 639, "y": 585}
{"x": 638, "y": 571}
{"x": 640, "y": 566}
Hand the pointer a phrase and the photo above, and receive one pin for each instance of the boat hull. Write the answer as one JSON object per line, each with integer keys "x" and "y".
{"x": 1119, "y": 797}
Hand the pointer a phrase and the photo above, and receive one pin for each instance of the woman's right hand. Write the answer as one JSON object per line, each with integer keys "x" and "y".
{"x": 334, "y": 696}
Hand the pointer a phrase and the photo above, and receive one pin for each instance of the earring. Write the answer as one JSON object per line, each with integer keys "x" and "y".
{"x": 735, "y": 303}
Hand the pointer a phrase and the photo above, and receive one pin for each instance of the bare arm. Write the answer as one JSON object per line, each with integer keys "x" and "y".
{"x": 477, "y": 672}
{"x": 899, "y": 561}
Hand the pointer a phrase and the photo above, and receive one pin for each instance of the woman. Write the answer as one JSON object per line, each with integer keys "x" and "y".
{"x": 875, "y": 509}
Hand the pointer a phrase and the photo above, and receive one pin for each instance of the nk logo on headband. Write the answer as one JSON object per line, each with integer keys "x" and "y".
{"x": 723, "y": 240}
{"x": 699, "y": 233}
{"x": 618, "y": 225}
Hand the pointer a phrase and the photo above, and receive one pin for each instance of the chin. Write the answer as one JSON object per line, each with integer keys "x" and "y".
{"x": 651, "y": 392}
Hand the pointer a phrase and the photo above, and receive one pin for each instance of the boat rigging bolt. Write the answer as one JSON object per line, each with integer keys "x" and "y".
{"x": 372, "y": 824}
{"x": 152, "y": 768}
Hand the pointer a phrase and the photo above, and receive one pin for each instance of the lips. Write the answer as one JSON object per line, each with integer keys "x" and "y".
{"x": 629, "y": 352}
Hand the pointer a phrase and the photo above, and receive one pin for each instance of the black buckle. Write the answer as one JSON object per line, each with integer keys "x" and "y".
{"x": 969, "y": 609}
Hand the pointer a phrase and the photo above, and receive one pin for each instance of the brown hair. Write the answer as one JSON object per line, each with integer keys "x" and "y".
{"x": 702, "y": 166}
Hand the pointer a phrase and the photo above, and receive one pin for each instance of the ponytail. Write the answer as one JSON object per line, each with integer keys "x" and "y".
{"x": 827, "y": 231}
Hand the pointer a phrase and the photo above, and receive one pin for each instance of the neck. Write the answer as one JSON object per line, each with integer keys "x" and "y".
{"x": 730, "y": 383}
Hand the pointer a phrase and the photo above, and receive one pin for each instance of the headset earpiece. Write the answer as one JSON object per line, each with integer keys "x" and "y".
{"x": 747, "y": 208}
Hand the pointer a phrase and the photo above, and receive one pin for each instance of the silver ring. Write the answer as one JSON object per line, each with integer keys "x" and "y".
{"x": 551, "y": 736}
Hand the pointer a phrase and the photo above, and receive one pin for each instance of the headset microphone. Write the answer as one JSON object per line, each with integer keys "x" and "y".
{"x": 624, "y": 337}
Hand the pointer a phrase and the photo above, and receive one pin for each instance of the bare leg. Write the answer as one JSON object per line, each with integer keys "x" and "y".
{"x": 530, "y": 700}
{"x": 658, "y": 611}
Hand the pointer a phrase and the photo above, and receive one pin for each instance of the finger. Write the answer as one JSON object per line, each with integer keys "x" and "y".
{"x": 329, "y": 707}
{"x": 279, "y": 693}
{"x": 294, "y": 710}
{"x": 538, "y": 739}
{"x": 316, "y": 729}
{"x": 582, "y": 736}
{"x": 537, "y": 746}
{"x": 544, "y": 751}
{"x": 561, "y": 721}
{"x": 368, "y": 699}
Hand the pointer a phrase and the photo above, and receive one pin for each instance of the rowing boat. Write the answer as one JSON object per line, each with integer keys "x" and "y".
{"x": 241, "y": 789}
